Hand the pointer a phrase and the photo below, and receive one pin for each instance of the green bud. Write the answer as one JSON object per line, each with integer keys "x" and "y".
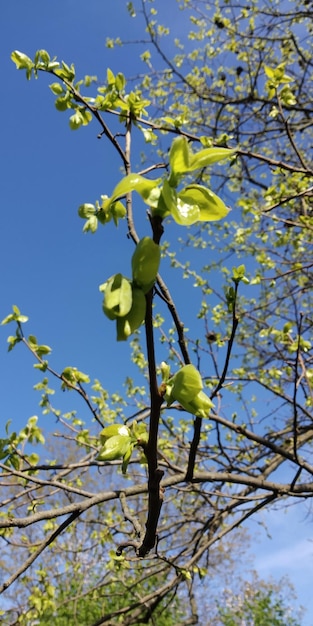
{"x": 165, "y": 371}
{"x": 140, "y": 432}
{"x": 117, "y": 296}
{"x": 112, "y": 431}
{"x": 125, "y": 326}
{"x": 114, "y": 448}
{"x": 145, "y": 263}
{"x": 185, "y": 387}
{"x": 201, "y": 405}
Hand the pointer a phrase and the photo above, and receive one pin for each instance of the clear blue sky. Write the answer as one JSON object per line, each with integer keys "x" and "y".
{"x": 48, "y": 267}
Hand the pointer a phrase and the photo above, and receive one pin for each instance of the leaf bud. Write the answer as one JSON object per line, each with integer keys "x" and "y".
{"x": 145, "y": 263}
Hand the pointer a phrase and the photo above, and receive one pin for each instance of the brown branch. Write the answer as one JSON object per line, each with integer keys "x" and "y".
{"x": 295, "y": 196}
{"x": 129, "y": 516}
{"x": 289, "y": 134}
{"x": 39, "y": 550}
{"x": 230, "y": 344}
{"x": 166, "y": 296}
{"x": 198, "y": 421}
{"x": 295, "y": 391}
{"x": 206, "y": 543}
{"x": 283, "y": 453}
{"x": 256, "y": 482}
{"x": 44, "y": 483}
{"x": 155, "y": 494}
{"x": 281, "y": 164}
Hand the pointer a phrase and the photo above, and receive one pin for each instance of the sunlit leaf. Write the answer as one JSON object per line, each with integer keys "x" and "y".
{"x": 76, "y": 120}
{"x": 178, "y": 158}
{"x": 145, "y": 263}
{"x": 22, "y": 62}
{"x": 208, "y": 156}
{"x": 185, "y": 387}
{"x": 185, "y": 384}
{"x": 114, "y": 448}
{"x": 118, "y": 211}
{"x": 207, "y": 206}
{"x": 118, "y": 296}
{"x": 127, "y": 457}
{"x": 127, "y": 325}
{"x": 91, "y": 224}
{"x": 110, "y": 77}
{"x": 112, "y": 430}
{"x": 148, "y": 189}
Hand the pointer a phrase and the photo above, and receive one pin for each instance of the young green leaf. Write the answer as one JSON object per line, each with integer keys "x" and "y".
{"x": 76, "y": 120}
{"x": 67, "y": 72}
{"x": 114, "y": 448}
{"x": 118, "y": 211}
{"x": 86, "y": 210}
{"x": 185, "y": 384}
{"x": 148, "y": 189}
{"x": 127, "y": 325}
{"x": 16, "y": 316}
{"x": 117, "y": 296}
{"x": 91, "y": 224}
{"x": 145, "y": 263}
{"x": 73, "y": 375}
{"x": 197, "y": 203}
{"x": 110, "y": 77}
{"x": 208, "y": 156}
{"x": 239, "y": 275}
{"x": 185, "y": 387}
{"x": 112, "y": 430}
{"x": 179, "y": 159}
{"x": 22, "y": 62}
{"x": 42, "y": 56}
{"x": 127, "y": 457}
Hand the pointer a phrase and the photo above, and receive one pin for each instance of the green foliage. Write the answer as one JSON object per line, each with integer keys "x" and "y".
{"x": 257, "y": 607}
{"x": 12, "y": 448}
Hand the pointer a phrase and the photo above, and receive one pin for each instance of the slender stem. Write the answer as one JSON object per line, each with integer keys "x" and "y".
{"x": 198, "y": 421}
{"x": 295, "y": 391}
{"x": 166, "y": 296}
{"x": 155, "y": 474}
{"x": 155, "y": 496}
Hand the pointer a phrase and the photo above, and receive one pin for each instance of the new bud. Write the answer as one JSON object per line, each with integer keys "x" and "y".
{"x": 145, "y": 263}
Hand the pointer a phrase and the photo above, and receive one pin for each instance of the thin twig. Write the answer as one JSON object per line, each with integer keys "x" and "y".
{"x": 198, "y": 421}
{"x": 39, "y": 550}
{"x": 295, "y": 391}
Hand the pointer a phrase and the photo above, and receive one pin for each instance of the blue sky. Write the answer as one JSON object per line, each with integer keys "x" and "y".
{"x": 48, "y": 267}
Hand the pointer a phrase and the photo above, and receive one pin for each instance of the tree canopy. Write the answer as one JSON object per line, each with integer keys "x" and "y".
{"x": 216, "y": 420}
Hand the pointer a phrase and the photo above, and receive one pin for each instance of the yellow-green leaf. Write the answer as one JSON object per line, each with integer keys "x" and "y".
{"x": 148, "y": 189}
{"x": 197, "y": 203}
